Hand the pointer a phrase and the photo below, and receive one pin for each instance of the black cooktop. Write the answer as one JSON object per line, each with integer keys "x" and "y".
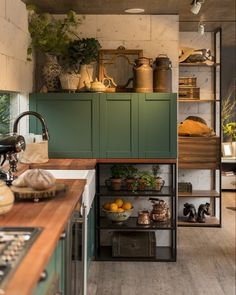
{"x": 14, "y": 244}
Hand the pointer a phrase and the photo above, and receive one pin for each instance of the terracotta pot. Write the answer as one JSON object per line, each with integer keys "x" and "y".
{"x": 142, "y": 185}
{"x": 116, "y": 184}
{"x": 129, "y": 184}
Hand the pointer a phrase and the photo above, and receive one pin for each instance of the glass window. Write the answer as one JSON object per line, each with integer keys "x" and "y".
{"x": 4, "y": 113}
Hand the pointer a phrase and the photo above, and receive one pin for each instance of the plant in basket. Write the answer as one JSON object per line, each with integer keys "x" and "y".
{"x": 146, "y": 181}
{"x": 118, "y": 174}
{"x": 130, "y": 175}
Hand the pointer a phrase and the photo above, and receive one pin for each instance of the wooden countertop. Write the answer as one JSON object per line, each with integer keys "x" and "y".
{"x": 52, "y": 215}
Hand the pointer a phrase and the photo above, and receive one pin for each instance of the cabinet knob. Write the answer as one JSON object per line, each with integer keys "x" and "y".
{"x": 43, "y": 276}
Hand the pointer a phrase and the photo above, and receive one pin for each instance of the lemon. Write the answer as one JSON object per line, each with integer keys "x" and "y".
{"x": 127, "y": 206}
{"x": 119, "y": 202}
{"x": 113, "y": 207}
{"x": 106, "y": 206}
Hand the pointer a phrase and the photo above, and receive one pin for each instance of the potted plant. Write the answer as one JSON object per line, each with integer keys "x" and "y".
{"x": 146, "y": 181}
{"x": 117, "y": 173}
{"x": 84, "y": 51}
{"x": 159, "y": 182}
{"x": 130, "y": 175}
{"x": 51, "y": 36}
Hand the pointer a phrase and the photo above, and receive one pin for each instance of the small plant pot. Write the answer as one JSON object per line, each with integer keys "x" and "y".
{"x": 116, "y": 184}
{"x": 69, "y": 81}
{"x": 130, "y": 184}
{"x": 142, "y": 185}
{"x": 159, "y": 183}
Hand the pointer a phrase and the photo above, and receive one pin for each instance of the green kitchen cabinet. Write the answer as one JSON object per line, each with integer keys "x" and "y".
{"x": 157, "y": 125}
{"x": 119, "y": 125}
{"x": 108, "y": 125}
{"x": 72, "y": 120}
{"x": 54, "y": 281}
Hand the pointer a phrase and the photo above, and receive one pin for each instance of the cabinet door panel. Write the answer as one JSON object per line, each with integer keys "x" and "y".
{"x": 118, "y": 125}
{"x": 157, "y": 125}
{"x": 72, "y": 121}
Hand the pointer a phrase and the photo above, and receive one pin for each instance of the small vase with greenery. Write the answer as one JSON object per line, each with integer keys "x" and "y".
{"x": 130, "y": 177}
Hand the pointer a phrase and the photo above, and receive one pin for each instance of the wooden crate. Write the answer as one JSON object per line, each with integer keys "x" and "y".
{"x": 188, "y": 81}
{"x": 189, "y": 92}
{"x": 199, "y": 152}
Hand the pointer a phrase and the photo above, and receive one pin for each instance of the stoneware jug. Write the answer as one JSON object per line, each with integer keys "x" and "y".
{"x": 6, "y": 198}
{"x": 162, "y": 74}
{"x": 143, "y": 75}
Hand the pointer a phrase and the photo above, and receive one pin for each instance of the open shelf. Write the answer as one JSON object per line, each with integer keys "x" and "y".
{"x": 163, "y": 254}
{"x": 198, "y": 100}
{"x": 199, "y": 194}
{"x": 210, "y": 222}
{"x": 197, "y": 64}
{"x": 166, "y": 191}
{"x": 131, "y": 224}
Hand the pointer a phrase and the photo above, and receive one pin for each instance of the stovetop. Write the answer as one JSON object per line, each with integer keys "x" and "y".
{"x": 14, "y": 244}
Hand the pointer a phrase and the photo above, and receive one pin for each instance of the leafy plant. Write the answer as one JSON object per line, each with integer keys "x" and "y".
{"x": 49, "y": 34}
{"x": 118, "y": 171}
{"x": 4, "y": 113}
{"x": 155, "y": 169}
{"x": 148, "y": 179}
{"x": 130, "y": 171}
{"x": 83, "y": 51}
{"x": 230, "y": 130}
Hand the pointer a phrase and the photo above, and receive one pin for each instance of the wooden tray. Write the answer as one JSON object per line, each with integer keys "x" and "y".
{"x": 27, "y": 193}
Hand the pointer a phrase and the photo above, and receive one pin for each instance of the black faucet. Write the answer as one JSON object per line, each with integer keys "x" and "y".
{"x": 45, "y": 134}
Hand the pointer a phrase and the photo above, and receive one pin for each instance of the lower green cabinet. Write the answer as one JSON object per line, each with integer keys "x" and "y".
{"x": 54, "y": 274}
{"x": 112, "y": 125}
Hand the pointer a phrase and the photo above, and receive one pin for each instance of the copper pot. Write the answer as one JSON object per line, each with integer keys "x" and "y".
{"x": 160, "y": 211}
{"x": 144, "y": 217}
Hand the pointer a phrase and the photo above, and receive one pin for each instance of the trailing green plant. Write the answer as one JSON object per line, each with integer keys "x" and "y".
{"x": 4, "y": 113}
{"x": 49, "y": 34}
{"x": 148, "y": 179}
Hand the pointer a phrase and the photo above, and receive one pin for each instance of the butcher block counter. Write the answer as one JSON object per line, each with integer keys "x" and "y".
{"x": 52, "y": 216}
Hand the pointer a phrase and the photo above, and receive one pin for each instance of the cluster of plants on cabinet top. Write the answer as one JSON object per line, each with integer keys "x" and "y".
{"x": 128, "y": 177}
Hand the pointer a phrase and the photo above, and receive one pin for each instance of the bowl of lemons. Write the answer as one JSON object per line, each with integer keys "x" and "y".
{"x": 118, "y": 210}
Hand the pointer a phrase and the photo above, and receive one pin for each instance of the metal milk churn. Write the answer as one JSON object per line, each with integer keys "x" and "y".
{"x": 162, "y": 77}
{"x": 143, "y": 75}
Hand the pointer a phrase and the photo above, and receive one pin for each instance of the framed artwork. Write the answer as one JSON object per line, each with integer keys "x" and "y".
{"x": 227, "y": 149}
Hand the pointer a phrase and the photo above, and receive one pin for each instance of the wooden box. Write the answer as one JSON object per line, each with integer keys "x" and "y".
{"x": 134, "y": 244}
{"x": 199, "y": 152}
{"x": 187, "y": 92}
{"x": 188, "y": 81}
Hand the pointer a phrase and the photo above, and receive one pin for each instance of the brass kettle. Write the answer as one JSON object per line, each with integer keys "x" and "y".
{"x": 160, "y": 211}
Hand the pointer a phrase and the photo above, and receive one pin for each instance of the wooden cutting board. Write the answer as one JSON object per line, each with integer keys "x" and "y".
{"x": 27, "y": 193}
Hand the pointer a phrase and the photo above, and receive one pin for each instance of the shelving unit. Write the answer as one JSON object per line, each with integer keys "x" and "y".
{"x": 165, "y": 232}
{"x": 204, "y": 153}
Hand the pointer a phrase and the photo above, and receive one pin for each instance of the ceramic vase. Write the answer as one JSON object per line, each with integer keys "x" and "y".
{"x": 51, "y": 72}
{"x": 69, "y": 82}
{"x": 86, "y": 77}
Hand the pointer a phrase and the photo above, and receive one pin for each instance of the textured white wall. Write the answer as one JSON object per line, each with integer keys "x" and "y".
{"x": 16, "y": 73}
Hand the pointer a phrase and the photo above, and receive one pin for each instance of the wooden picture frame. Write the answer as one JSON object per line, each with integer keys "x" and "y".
{"x": 116, "y": 66}
{"x": 227, "y": 150}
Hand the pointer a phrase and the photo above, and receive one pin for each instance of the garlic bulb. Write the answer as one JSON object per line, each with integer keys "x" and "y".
{"x": 39, "y": 179}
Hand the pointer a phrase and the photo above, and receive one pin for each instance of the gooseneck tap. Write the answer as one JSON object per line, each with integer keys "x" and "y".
{"x": 45, "y": 134}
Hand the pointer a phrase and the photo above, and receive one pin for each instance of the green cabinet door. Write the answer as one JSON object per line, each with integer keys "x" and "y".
{"x": 119, "y": 125}
{"x": 72, "y": 121}
{"x": 157, "y": 125}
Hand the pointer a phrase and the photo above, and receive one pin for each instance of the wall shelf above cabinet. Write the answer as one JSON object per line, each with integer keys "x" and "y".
{"x": 199, "y": 194}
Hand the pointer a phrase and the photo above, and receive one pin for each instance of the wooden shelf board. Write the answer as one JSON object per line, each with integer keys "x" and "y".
{"x": 197, "y": 64}
{"x": 199, "y": 194}
{"x": 210, "y": 222}
{"x": 198, "y": 100}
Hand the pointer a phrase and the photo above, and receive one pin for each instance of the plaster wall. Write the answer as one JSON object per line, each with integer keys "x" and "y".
{"x": 16, "y": 73}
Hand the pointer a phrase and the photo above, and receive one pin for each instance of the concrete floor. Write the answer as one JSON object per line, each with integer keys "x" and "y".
{"x": 205, "y": 266}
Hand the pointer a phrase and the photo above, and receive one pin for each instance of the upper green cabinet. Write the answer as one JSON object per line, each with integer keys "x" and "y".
{"x": 114, "y": 125}
{"x": 119, "y": 125}
{"x": 157, "y": 126}
{"x": 73, "y": 123}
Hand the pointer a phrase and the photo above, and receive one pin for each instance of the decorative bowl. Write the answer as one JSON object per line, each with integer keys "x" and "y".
{"x": 118, "y": 216}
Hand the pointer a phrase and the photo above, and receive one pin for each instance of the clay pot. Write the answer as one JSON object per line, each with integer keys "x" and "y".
{"x": 116, "y": 184}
